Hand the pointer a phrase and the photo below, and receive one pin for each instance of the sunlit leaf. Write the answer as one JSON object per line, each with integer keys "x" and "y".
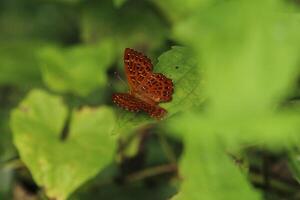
{"x": 61, "y": 166}
{"x": 249, "y": 60}
{"x": 247, "y": 51}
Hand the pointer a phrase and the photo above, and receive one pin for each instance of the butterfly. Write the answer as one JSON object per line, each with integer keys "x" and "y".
{"x": 147, "y": 89}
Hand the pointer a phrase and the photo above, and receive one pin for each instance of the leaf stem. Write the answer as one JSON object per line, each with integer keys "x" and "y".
{"x": 12, "y": 163}
{"x": 168, "y": 150}
{"x": 66, "y": 128}
{"x": 151, "y": 172}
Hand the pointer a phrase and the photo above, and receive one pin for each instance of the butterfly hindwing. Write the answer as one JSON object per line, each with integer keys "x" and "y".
{"x": 133, "y": 104}
{"x": 128, "y": 102}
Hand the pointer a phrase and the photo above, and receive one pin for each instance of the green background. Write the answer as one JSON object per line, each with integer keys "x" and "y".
{"x": 232, "y": 128}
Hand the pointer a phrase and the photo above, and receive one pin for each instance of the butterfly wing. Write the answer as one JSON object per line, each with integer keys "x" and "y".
{"x": 157, "y": 87}
{"x": 142, "y": 80}
{"x": 131, "y": 103}
{"x": 137, "y": 66}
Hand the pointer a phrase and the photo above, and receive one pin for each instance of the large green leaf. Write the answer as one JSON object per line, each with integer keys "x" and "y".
{"x": 80, "y": 69}
{"x": 249, "y": 60}
{"x": 248, "y": 53}
{"x": 206, "y": 168}
{"x": 61, "y": 166}
{"x": 180, "y": 65}
{"x": 208, "y": 173}
{"x": 249, "y": 64}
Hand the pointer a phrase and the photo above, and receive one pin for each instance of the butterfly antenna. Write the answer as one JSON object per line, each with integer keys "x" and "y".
{"x": 119, "y": 77}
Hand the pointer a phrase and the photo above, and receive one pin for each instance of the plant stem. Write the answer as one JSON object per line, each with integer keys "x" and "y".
{"x": 151, "y": 172}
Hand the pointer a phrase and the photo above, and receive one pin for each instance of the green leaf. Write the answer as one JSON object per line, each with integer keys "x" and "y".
{"x": 242, "y": 55}
{"x": 247, "y": 51}
{"x": 29, "y": 20}
{"x": 249, "y": 64}
{"x": 175, "y": 10}
{"x": 7, "y": 150}
{"x": 133, "y": 25}
{"x": 208, "y": 173}
{"x": 294, "y": 164}
{"x": 80, "y": 69}
{"x": 61, "y": 166}
{"x": 119, "y": 3}
{"x": 180, "y": 65}
{"x": 19, "y": 63}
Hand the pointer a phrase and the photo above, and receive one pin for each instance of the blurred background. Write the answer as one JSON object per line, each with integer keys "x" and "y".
{"x": 74, "y": 49}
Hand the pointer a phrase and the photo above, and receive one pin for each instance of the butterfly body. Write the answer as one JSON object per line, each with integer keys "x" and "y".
{"x": 147, "y": 89}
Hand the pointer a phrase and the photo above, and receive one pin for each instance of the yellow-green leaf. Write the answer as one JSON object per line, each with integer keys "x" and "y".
{"x": 61, "y": 166}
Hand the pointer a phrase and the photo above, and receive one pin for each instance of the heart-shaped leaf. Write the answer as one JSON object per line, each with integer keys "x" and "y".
{"x": 61, "y": 166}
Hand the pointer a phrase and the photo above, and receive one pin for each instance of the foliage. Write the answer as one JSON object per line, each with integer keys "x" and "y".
{"x": 54, "y": 163}
{"x": 234, "y": 66}
{"x": 78, "y": 69}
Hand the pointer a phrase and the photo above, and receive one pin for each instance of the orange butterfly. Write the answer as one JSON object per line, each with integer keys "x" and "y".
{"x": 147, "y": 89}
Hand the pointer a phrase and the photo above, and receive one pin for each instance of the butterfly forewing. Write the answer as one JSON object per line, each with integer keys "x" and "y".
{"x": 136, "y": 67}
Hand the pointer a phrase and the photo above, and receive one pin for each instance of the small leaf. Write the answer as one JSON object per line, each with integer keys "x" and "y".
{"x": 61, "y": 166}
{"x": 181, "y": 66}
{"x": 78, "y": 69}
